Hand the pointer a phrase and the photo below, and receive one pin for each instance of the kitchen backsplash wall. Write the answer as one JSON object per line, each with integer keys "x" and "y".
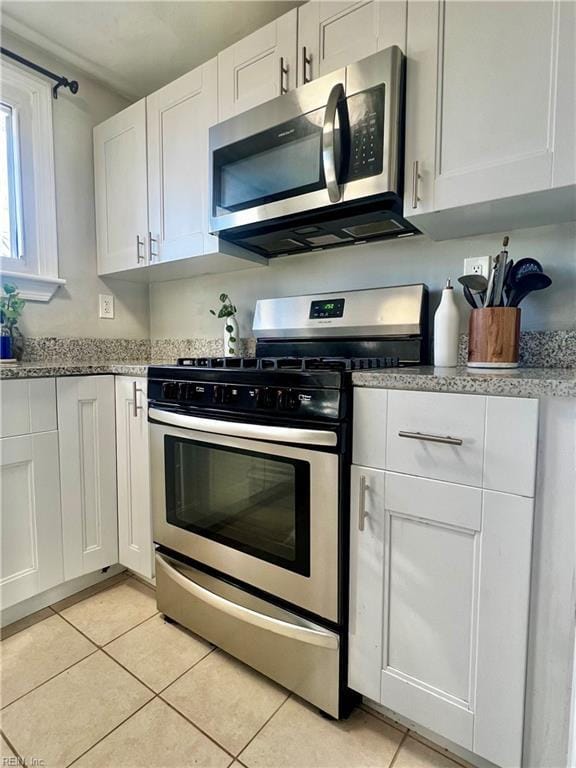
{"x": 74, "y": 309}
{"x": 180, "y": 309}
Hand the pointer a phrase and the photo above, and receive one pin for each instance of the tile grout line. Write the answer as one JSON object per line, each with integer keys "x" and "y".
{"x": 111, "y": 731}
{"x": 397, "y": 753}
{"x": 12, "y": 747}
{"x": 460, "y": 761}
{"x": 198, "y": 728}
{"x": 105, "y": 588}
{"x": 66, "y": 669}
{"x": 114, "y": 638}
{"x": 162, "y": 690}
{"x": 245, "y": 747}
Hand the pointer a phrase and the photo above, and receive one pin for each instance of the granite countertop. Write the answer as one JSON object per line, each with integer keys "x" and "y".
{"x": 519, "y": 382}
{"x": 514, "y": 382}
{"x": 36, "y": 370}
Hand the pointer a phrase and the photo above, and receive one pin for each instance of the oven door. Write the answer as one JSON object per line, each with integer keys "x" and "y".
{"x": 229, "y": 496}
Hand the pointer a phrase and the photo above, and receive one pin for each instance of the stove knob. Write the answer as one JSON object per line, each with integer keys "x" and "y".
{"x": 230, "y": 395}
{"x": 170, "y": 390}
{"x": 218, "y": 394}
{"x": 265, "y": 398}
{"x": 281, "y": 399}
{"x": 292, "y": 402}
{"x": 182, "y": 391}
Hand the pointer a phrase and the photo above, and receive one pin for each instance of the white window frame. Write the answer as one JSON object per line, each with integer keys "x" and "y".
{"x": 35, "y": 274}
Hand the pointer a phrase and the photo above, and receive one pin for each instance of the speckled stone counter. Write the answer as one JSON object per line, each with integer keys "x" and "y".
{"x": 522, "y": 382}
{"x": 519, "y": 382}
{"x": 36, "y": 370}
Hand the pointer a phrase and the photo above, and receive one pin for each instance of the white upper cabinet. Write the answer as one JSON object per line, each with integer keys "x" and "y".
{"x": 336, "y": 33}
{"x": 490, "y": 115}
{"x": 86, "y": 422}
{"x": 135, "y": 545}
{"x": 179, "y": 116}
{"x": 120, "y": 189}
{"x": 258, "y": 67}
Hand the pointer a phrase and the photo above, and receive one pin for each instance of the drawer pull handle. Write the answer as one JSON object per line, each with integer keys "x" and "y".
{"x": 430, "y": 438}
{"x": 362, "y": 514}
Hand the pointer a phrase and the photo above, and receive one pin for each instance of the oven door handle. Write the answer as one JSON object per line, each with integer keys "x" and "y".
{"x": 252, "y": 431}
{"x": 247, "y": 615}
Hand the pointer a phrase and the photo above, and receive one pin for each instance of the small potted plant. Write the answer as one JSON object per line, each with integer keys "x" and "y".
{"x": 11, "y": 306}
{"x": 228, "y": 311}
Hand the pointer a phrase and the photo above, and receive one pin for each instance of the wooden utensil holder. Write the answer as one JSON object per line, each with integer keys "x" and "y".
{"x": 494, "y": 337}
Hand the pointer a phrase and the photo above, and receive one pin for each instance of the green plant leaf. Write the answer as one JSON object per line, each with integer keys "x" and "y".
{"x": 232, "y": 338}
{"x": 223, "y": 297}
{"x": 9, "y": 288}
{"x": 212, "y": 312}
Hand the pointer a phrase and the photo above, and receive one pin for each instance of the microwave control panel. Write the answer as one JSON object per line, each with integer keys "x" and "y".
{"x": 366, "y": 118}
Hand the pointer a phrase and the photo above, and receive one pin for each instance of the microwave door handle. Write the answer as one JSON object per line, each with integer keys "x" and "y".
{"x": 329, "y": 154}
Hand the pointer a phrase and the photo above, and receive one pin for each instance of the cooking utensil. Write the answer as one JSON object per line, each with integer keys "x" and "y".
{"x": 500, "y": 272}
{"x": 474, "y": 286}
{"x": 474, "y": 282}
{"x": 523, "y": 267}
{"x": 530, "y": 281}
{"x": 490, "y": 288}
{"x": 470, "y": 297}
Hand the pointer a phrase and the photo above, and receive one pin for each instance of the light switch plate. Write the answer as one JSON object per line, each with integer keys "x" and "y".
{"x": 479, "y": 265}
{"x": 106, "y": 305}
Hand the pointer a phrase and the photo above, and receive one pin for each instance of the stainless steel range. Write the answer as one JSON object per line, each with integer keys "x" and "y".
{"x": 250, "y": 465}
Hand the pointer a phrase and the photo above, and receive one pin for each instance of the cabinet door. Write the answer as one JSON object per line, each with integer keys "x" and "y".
{"x": 366, "y": 580}
{"x": 478, "y": 130}
{"x": 336, "y": 33}
{"x": 135, "y": 546}
{"x": 88, "y": 473}
{"x": 258, "y": 68}
{"x": 120, "y": 188}
{"x": 31, "y": 522}
{"x": 179, "y": 116}
{"x": 456, "y": 587}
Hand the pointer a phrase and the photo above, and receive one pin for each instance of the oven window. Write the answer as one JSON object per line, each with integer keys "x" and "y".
{"x": 272, "y": 165}
{"x": 256, "y": 503}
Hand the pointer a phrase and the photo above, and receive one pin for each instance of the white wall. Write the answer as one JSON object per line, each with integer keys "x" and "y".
{"x": 74, "y": 309}
{"x": 180, "y": 309}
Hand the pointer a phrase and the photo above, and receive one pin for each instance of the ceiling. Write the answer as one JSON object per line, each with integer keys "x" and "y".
{"x": 136, "y": 47}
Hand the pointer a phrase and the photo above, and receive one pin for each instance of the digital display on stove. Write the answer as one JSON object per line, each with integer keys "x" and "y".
{"x": 323, "y": 309}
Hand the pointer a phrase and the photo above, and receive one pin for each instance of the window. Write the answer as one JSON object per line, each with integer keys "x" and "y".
{"x": 29, "y": 253}
{"x": 10, "y": 201}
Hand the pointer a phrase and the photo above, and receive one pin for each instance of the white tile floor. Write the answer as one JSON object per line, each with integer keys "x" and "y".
{"x": 101, "y": 681}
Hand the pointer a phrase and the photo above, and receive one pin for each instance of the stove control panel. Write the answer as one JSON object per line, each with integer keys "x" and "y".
{"x": 307, "y": 403}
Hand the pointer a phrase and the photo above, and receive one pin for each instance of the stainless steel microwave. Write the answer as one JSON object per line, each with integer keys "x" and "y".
{"x": 317, "y": 167}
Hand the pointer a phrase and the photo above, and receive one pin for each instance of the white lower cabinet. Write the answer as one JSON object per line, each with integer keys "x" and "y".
{"x": 135, "y": 546}
{"x": 439, "y": 589}
{"x": 86, "y": 424}
{"x": 31, "y": 541}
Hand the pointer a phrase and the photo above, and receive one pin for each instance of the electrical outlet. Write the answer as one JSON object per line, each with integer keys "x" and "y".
{"x": 480, "y": 265}
{"x": 106, "y": 304}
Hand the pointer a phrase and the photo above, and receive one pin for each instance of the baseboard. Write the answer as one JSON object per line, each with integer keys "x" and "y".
{"x": 51, "y": 596}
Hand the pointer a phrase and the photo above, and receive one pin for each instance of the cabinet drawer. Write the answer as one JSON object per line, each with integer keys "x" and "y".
{"x": 27, "y": 406}
{"x": 440, "y": 436}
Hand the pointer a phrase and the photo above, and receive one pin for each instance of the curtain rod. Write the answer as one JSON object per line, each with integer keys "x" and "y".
{"x": 61, "y": 81}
